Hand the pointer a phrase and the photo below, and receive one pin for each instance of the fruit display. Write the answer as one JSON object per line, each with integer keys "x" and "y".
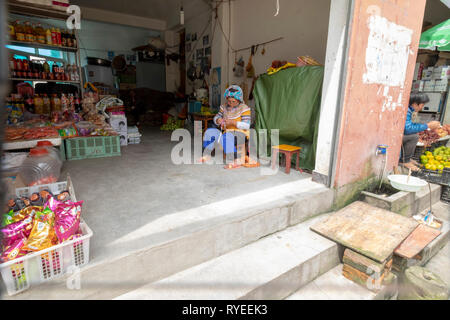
{"x": 438, "y": 160}
{"x": 171, "y": 125}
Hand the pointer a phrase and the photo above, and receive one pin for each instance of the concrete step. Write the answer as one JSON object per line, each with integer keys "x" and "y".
{"x": 271, "y": 268}
{"x": 334, "y": 286}
{"x": 178, "y": 241}
{"x": 440, "y": 264}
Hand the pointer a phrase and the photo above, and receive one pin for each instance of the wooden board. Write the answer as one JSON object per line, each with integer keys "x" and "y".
{"x": 360, "y": 262}
{"x": 416, "y": 241}
{"x": 370, "y": 231}
{"x": 363, "y": 279}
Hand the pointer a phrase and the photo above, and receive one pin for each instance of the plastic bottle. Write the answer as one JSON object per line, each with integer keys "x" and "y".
{"x": 51, "y": 149}
{"x": 58, "y": 36}
{"x": 11, "y": 30}
{"x": 54, "y": 37}
{"x": 48, "y": 36}
{"x": 40, "y": 32}
{"x": 40, "y": 167}
{"x": 56, "y": 103}
{"x": 12, "y": 67}
{"x": 38, "y": 104}
{"x": 29, "y": 34}
{"x": 46, "y": 103}
{"x": 20, "y": 31}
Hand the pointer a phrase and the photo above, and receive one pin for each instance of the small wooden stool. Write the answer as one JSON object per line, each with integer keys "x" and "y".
{"x": 288, "y": 152}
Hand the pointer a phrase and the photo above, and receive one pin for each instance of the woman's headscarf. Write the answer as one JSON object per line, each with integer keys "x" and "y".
{"x": 234, "y": 92}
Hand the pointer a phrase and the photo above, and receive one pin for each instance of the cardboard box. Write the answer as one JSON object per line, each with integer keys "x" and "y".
{"x": 118, "y": 122}
{"x": 441, "y": 85}
{"x": 429, "y": 85}
{"x": 441, "y": 72}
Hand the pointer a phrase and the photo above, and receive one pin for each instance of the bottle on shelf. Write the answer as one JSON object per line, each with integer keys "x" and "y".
{"x": 46, "y": 70}
{"x": 29, "y": 34}
{"x": 12, "y": 67}
{"x": 48, "y": 36}
{"x": 34, "y": 32}
{"x": 20, "y": 31}
{"x": 74, "y": 39}
{"x": 69, "y": 39}
{"x": 40, "y": 32}
{"x": 55, "y": 103}
{"x": 11, "y": 30}
{"x": 54, "y": 37}
{"x": 46, "y": 104}
{"x": 58, "y": 36}
{"x": 38, "y": 104}
{"x": 64, "y": 38}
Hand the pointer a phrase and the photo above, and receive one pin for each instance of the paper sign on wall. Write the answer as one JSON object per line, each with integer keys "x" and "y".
{"x": 387, "y": 53}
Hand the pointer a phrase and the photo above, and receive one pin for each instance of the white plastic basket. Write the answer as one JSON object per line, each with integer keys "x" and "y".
{"x": 21, "y": 273}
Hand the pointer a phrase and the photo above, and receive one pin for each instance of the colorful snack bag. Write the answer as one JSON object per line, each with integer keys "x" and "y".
{"x": 42, "y": 235}
{"x": 24, "y": 213}
{"x": 67, "y": 220}
{"x": 11, "y": 252}
{"x": 52, "y": 204}
{"x": 8, "y": 218}
{"x": 16, "y": 231}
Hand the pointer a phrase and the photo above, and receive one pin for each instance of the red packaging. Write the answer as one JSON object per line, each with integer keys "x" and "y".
{"x": 17, "y": 231}
{"x": 11, "y": 252}
{"x": 67, "y": 220}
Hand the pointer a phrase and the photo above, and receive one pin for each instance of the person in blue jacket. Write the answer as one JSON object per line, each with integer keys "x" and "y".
{"x": 410, "y": 138}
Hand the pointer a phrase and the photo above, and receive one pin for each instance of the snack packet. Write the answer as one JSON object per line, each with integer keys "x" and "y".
{"x": 42, "y": 235}
{"x": 8, "y": 218}
{"x": 67, "y": 220}
{"x": 11, "y": 252}
{"x": 24, "y": 213}
{"x": 16, "y": 231}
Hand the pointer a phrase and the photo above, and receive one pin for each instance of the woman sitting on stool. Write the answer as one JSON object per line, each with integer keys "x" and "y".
{"x": 234, "y": 119}
{"x": 410, "y": 138}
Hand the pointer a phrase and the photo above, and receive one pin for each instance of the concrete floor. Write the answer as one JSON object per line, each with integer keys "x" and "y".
{"x": 127, "y": 196}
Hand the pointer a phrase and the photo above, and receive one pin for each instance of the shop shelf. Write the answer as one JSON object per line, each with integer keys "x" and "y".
{"x": 44, "y": 80}
{"x": 92, "y": 147}
{"x": 41, "y": 46}
{"x": 22, "y": 273}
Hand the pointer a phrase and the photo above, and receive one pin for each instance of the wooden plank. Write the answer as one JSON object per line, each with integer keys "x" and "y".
{"x": 370, "y": 231}
{"x": 416, "y": 241}
{"x": 373, "y": 284}
{"x": 360, "y": 262}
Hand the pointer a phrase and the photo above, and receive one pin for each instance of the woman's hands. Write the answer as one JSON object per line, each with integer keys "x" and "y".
{"x": 229, "y": 123}
{"x": 434, "y": 125}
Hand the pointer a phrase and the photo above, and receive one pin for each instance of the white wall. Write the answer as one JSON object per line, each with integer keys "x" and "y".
{"x": 97, "y": 38}
{"x": 334, "y": 68}
{"x": 198, "y": 25}
{"x": 303, "y": 24}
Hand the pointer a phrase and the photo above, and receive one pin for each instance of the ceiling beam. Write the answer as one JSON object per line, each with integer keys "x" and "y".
{"x": 123, "y": 19}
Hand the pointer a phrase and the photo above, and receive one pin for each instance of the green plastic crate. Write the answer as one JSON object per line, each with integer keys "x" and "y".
{"x": 92, "y": 147}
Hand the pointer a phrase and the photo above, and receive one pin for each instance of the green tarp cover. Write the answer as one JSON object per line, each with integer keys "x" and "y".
{"x": 289, "y": 100}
